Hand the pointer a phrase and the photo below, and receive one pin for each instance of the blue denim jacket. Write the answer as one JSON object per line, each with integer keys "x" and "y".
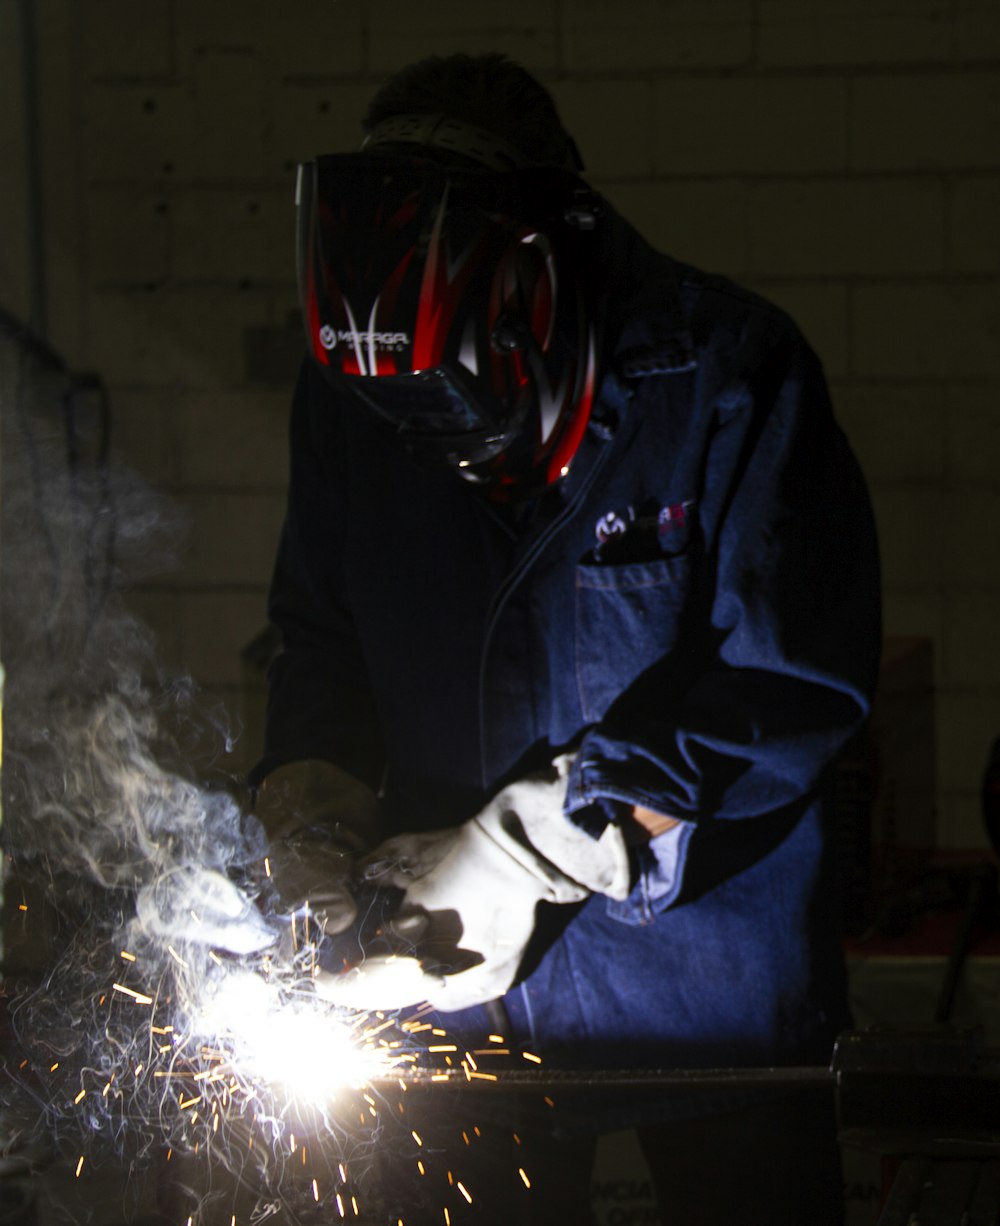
{"x": 695, "y": 611}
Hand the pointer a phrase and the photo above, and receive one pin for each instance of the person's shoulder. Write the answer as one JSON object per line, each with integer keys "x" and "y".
{"x": 661, "y": 291}
{"x": 718, "y": 307}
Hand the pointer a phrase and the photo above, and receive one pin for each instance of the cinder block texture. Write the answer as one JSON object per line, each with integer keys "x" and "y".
{"x": 968, "y": 723}
{"x": 212, "y": 126}
{"x": 750, "y": 125}
{"x": 611, "y": 122}
{"x": 232, "y": 116}
{"x": 976, "y": 30}
{"x": 225, "y": 440}
{"x": 924, "y": 121}
{"x": 214, "y": 629}
{"x": 137, "y": 132}
{"x": 914, "y": 535}
{"x": 972, "y": 644}
{"x": 699, "y": 222}
{"x": 124, "y": 39}
{"x": 241, "y": 235}
{"x": 899, "y": 432}
{"x": 308, "y": 38}
{"x": 847, "y": 227}
{"x": 921, "y": 612}
{"x": 821, "y": 309}
{"x": 643, "y": 35}
{"x": 974, "y": 434}
{"x": 233, "y": 539}
{"x": 310, "y": 118}
{"x": 972, "y": 519}
{"x": 13, "y": 186}
{"x": 850, "y": 32}
{"x": 947, "y": 329}
{"x": 143, "y": 437}
{"x": 128, "y": 235}
{"x": 400, "y": 32}
{"x": 233, "y": 440}
{"x": 960, "y": 821}
{"x": 178, "y": 338}
{"x": 973, "y": 233}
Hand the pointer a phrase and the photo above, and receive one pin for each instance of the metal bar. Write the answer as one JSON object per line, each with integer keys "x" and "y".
{"x": 541, "y": 1080}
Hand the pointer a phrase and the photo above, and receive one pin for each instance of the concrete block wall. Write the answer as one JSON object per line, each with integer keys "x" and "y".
{"x": 839, "y": 156}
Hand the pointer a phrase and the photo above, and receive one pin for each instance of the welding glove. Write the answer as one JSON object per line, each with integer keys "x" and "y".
{"x": 318, "y": 819}
{"x": 469, "y": 897}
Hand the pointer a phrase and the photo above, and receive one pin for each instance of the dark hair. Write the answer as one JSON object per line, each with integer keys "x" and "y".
{"x": 487, "y": 91}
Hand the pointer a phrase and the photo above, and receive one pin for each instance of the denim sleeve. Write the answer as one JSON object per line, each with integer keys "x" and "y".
{"x": 319, "y": 700}
{"x": 774, "y": 667}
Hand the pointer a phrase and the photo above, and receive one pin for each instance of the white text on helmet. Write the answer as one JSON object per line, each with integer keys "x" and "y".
{"x": 330, "y": 338}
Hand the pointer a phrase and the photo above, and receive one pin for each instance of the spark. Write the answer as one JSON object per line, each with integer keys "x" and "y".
{"x": 140, "y": 998}
{"x": 127, "y": 956}
{"x": 464, "y": 1190}
{"x": 524, "y": 1178}
{"x": 532, "y": 1057}
{"x": 79, "y": 1167}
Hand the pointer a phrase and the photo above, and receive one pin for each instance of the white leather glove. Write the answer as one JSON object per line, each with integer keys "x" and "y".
{"x": 469, "y": 897}
{"x": 318, "y": 818}
{"x": 192, "y": 903}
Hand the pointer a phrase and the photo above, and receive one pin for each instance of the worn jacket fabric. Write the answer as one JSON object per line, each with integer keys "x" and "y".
{"x": 694, "y": 610}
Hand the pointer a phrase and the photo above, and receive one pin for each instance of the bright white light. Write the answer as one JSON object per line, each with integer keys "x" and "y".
{"x": 303, "y": 1046}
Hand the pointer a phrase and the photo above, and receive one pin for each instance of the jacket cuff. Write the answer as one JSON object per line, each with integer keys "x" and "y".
{"x": 592, "y": 801}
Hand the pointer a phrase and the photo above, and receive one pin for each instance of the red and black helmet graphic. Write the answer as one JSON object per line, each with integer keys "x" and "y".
{"x": 454, "y": 305}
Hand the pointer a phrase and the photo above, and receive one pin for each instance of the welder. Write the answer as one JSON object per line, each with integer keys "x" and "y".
{"x": 577, "y": 595}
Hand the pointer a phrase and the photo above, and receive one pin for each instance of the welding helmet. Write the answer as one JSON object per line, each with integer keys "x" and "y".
{"x": 454, "y": 303}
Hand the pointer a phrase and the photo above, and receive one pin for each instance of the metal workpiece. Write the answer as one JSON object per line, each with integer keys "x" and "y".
{"x": 540, "y": 1081}
{"x": 932, "y": 1090}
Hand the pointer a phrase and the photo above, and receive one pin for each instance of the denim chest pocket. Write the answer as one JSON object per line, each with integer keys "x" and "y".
{"x": 626, "y": 619}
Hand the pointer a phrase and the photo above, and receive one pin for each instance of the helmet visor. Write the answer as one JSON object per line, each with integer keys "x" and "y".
{"x": 433, "y": 413}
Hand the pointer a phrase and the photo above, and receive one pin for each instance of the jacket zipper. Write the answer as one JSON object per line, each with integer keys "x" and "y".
{"x": 507, "y": 587}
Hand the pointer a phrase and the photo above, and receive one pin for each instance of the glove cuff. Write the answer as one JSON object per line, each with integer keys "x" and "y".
{"x": 527, "y": 819}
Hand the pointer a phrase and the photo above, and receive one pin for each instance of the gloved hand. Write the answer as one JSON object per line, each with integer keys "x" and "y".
{"x": 469, "y": 897}
{"x": 318, "y": 819}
